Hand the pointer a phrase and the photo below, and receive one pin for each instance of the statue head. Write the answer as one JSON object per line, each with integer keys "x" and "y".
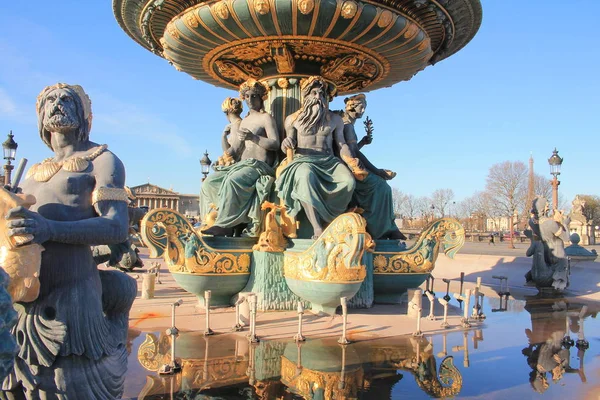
{"x": 356, "y": 105}
{"x": 539, "y": 207}
{"x": 315, "y": 103}
{"x": 232, "y": 105}
{"x": 64, "y": 108}
{"x": 254, "y": 93}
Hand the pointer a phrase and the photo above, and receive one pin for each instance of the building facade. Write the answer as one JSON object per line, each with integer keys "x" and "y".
{"x": 152, "y": 196}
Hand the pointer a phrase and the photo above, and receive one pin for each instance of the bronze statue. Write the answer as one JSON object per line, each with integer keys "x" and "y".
{"x": 243, "y": 186}
{"x": 315, "y": 180}
{"x": 372, "y": 194}
{"x": 548, "y": 237}
{"x": 72, "y": 338}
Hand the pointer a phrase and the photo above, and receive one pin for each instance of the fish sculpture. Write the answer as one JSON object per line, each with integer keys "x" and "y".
{"x": 19, "y": 258}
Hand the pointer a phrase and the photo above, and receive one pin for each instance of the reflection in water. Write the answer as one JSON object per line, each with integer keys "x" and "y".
{"x": 549, "y": 351}
{"x": 227, "y": 365}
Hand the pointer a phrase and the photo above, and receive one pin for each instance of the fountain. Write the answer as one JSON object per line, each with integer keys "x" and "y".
{"x": 265, "y": 230}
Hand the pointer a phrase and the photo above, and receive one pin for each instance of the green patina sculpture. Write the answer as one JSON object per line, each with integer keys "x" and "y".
{"x": 315, "y": 181}
{"x": 72, "y": 338}
{"x": 548, "y": 237}
{"x": 239, "y": 189}
{"x": 373, "y": 194}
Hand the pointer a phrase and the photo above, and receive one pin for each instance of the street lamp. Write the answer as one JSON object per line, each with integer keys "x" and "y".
{"x": 555, "y": 162}
{"x": 205, "y": 163}
{"x": 10, "y": 151}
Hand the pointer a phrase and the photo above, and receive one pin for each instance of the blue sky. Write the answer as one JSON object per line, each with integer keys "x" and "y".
{"x": 528, "y": 82}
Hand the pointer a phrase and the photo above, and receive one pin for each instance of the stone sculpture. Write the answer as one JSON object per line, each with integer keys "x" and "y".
{"x": 315, "y": 180}
{"x": 244, "y": 185}
{"x": 372, "y": 194}
{"x": 548, "y": 238}
{"x": 72, "y": 338}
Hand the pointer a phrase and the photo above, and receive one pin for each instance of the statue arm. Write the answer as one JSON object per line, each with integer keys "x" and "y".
{"x": 224, "y": 141}
{"x": 290, "y": 134}
{"x": 108, "y": 227}
{"x": 271, "y": 142}
{"x": 339, "y": 138}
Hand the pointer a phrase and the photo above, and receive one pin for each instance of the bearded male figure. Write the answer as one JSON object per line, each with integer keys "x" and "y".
{"x": 373, "y": 194}
{"x": 73, "y": 337}
{"x": 315, "y": 180}
{"x": 246, "y": 184}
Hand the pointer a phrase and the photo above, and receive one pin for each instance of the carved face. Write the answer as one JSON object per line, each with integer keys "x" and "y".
{"x": 60, "y": 112}
{"x": 356, "y": 109}
{"x": 317, "y": 92}
{"x": 253, "y": 100}
{"x": 261, "y": 6}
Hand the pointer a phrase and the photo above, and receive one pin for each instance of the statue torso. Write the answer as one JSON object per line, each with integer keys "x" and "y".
{"x": 319, "y": 142}
{"x": 255, "y": 122}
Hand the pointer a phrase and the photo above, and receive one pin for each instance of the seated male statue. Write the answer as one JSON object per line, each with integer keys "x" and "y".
{"x": 245, "y": 184}
{"x": 73, "y": 337}
{"x": 315, "y": 180}
{"x": 373, "y": 194}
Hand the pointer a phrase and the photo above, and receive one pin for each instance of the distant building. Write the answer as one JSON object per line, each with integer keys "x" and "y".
{"x": 152, "y": 196}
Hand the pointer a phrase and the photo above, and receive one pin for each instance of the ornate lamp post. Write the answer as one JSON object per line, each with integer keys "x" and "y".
{"x": 555, "y": 162}
{"x": 10, "y": 150}
{"x": 205, "y": 163}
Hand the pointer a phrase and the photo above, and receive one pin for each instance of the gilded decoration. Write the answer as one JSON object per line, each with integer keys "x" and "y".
{"x": 283, "y": 83}
{"x": 445, "y": 382}
{"x": 306, "y": 6}
{"x": 335, "y": 257}
{"x": 262, "y": 6}
{"x": 152, "y": 353}
{"x": 350, "y": 66}
{"x": 221, "y": 10}
{"x": 172, "y": 31}
{"x": 411, "y": 30}
{"x": 349, "y": 9}
{"x": 449, "y": 25}
{"x": 167, "y": 233}
{"x": 385, "y": 19}
{"x": 284, "y": 60}
{"x": 446, "y": 233}
{"x": 304, "y": 381}
{"x": 191, "y": 20}
{"x": 214, "y": 372}
{"x": 238, "y": 72}
{"x": 272, "y": 238}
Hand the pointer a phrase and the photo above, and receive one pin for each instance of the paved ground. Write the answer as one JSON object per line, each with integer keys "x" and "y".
{"x": 474, "y": 260}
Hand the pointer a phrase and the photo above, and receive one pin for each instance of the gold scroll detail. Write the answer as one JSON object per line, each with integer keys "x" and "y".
{"x": 237, "y": 72}
{"x": 335, "y": 256}
{"x": 440, "y": 383}
{"x": 350, "y": 66}
{"x": 304, "y": 381}
{"x": 167, "y": 233}
{"x": 445, "y": 233}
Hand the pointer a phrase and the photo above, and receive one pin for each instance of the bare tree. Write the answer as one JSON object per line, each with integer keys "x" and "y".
{"x": 398, "y": 199}
{"x": 410, "y": 207}
{"x": 542, "y": 187}
{"x": 441, "y": 199}
{"x": 506, "y": 186}
{"x": 591, "y": 209}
